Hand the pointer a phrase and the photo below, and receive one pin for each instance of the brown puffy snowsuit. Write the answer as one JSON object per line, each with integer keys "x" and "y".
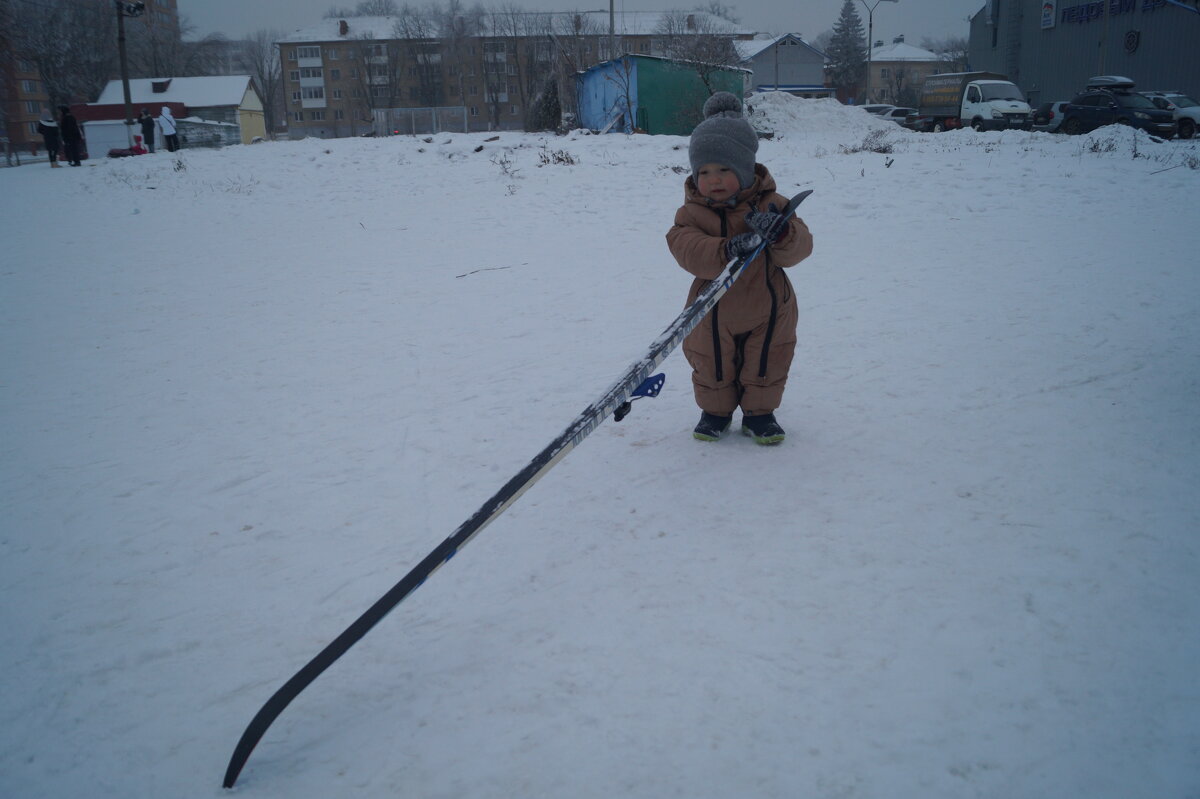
{"x": 740, "y": 354}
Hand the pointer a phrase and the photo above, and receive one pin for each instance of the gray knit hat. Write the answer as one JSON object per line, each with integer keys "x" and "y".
{"x": 724, "y": 137}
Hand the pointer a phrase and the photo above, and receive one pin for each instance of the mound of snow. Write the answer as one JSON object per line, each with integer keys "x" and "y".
{"x": 780, "y": 112}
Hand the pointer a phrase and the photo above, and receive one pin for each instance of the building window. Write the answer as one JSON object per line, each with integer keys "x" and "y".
{"x": 883, "y": 73}
{"x": 353, "y": 72}
{"x": 308, "y": 52}
{"x": 474, "y": 111}
{"x": 473, "y": 91}
{"x": 33, "y": 107}
{"x": 514, "y": 109}
{"x": 337, "y": 94}
{"x": 335, "y": 74}
{"x": 291, "y": 55}
{"x": 295, "y": 97}
{"x": 294, "y": 75}
{"x": 644, "y": 47}
{"x": 311, "y": 72}
{"x": 316, "y": 116}
{"x": 332, "y": 55}
{"x": 356, "y": 93}
{"x": 313, "y": 92}
{"x": 339, "y": 114}
{"x": 297, "y": 116}
{"x": 33, "y": 131}
{"x": 30, "y": 86}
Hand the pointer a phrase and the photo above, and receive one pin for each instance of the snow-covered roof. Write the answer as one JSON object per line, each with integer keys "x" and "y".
{"x": 901, "y": 51}
{"x": 626, "y": 23}
{"x": 748, "y": 49}
{"x": 202, "y": 92}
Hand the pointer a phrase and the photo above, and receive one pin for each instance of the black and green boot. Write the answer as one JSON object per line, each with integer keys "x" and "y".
{"x": 710, "y": 427}
{"x": 762, "y": 428}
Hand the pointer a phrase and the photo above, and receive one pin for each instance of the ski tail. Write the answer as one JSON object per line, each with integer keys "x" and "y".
{"x": 638, "y": 377}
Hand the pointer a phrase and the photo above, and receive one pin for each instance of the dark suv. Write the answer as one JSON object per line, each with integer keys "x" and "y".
{"x": 1114, "y": 101}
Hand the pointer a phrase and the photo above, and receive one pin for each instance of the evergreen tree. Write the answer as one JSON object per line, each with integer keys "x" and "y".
{"x": 546, "y": 111}
{"x": 847, "y": 50}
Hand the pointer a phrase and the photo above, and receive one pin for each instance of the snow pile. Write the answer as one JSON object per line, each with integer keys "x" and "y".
{"x": 780, "y": 113}
{"x": 245, "y": 390}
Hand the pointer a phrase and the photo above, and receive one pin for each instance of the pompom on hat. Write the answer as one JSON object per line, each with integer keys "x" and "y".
{"x": 724, "y": 137}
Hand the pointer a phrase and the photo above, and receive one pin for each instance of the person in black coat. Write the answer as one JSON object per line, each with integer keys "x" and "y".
{"x": 71, "y": 135}
{"x": 147, "y": 123}
{"x": 49, "y": 130}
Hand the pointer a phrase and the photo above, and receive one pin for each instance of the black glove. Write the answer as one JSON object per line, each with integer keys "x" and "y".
{"x": 769, "y": 224}
{"x": 741, "y": 245}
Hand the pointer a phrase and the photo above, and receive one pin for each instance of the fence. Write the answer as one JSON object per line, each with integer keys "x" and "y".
{"x": 411, "y": 121}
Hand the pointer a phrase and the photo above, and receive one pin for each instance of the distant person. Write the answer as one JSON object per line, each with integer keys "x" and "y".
{"x": 50, "y": 136}
{"x": 170, "y": 130}
{"x": 147, "y": 123}
{"x": 72, "y": 136}
{"x": 740, "y": 355}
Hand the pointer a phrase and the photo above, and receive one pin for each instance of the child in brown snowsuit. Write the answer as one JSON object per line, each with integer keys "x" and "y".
{"x": 740, "y": 354}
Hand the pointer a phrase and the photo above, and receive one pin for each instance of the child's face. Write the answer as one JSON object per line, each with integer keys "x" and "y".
{"x": 717, "y": 182}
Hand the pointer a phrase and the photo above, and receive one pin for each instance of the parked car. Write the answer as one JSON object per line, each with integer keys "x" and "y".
{"x": 1185, "y": 109}
{"x": 878, "y": 108}
{"x": 898, "y": 114}
{"x": 1049, "y": 116}
{"x": 1110, "y": 99}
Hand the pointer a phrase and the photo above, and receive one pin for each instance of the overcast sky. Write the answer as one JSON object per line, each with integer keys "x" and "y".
{"x": 916, "y": 19}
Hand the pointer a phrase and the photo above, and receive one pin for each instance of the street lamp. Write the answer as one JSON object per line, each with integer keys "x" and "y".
{"x": 871, "y": 38}
{"x": 125, "y": 9}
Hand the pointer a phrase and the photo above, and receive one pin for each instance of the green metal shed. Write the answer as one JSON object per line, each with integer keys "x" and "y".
{"x": 663, "y": 96}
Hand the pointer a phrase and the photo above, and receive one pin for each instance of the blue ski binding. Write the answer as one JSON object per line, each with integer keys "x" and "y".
{"x": 649, "y": 388}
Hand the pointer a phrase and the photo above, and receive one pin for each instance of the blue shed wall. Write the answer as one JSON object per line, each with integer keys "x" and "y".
{"x": 601, "y": 94}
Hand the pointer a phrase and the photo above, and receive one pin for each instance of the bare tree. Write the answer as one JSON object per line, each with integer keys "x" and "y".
{"x": 823, "y": 40}
{"x": 378, "y": 66}
{"x": 622, "y": 108}
{"x": 952, "y": 50}
{"x": 262, "y": 58}
{"x": 576, "y": 40}
{"x": 73, "y": 44}
{"x": 8, "y": 59}
{"x": 704, "y": 45}
{"x": 899, "y": 85}
{"x": 719, "y": 9}
{"x": 159, "y": 51}
{"x": 458, "y": 27}
{"x": 417, "y": 33}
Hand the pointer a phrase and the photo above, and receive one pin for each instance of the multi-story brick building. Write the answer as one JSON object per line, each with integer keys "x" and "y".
{"x": 397, "y": 74}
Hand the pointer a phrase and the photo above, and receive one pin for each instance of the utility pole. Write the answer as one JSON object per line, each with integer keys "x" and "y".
{"x": 612, "y": 30}
{"x": 871, "y": 39}
{"x": 125, "y": 9}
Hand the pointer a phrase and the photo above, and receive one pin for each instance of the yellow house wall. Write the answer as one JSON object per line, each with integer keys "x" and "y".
{"x": 250, "y": 116}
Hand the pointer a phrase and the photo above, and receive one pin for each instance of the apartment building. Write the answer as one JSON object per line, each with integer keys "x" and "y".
{"x": 898, "y": 71}
{"x": 382, "y": 75}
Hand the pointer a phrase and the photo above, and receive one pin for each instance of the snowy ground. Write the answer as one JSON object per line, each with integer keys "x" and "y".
{"x": 244, "y": 391}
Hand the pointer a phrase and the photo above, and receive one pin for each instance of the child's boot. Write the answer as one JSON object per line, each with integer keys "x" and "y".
{"x": 711, "y": 426}
{"x": 762, "y": 428}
